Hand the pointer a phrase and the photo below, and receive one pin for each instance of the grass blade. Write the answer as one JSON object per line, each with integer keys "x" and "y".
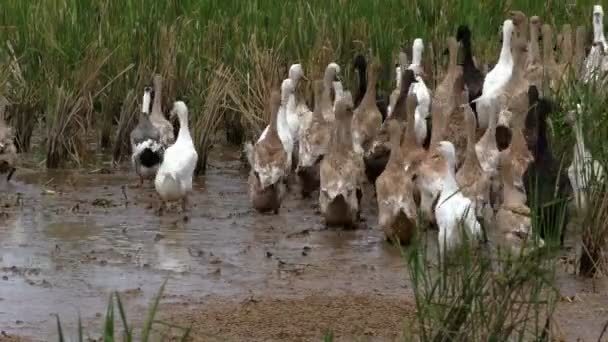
{"x": 145, "y": 334}
{"x": 59, "y": 329}
{"x": 108, "y": 331}
{"x": 127, "y": 334}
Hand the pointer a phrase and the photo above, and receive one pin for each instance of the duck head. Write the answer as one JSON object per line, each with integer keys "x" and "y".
{"x": 360, "y": 64}
{"x": 180, "y": 110}
{"x": 598, "y": 23}
{"x": 332, "y": 72}
{"x": 463, "y": 34}
{"x": 506, "y": 33}
{"x": 296, "y": 73}
{"x": 448, "y": 151}
{"x": 417, "y": 50}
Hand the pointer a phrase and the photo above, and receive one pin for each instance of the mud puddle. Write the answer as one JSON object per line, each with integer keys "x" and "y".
{"x": 70, "y": 238}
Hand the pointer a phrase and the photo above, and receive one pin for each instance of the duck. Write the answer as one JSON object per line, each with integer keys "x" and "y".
{"x": 301, "y": 115}
{"x": 578, "y": 60}
{"x": 423, "y": 95}
{"x": 360, "y": 66}
{"x": 173, "y": 180}
{"x": 497, "y": 78}
{"x": 547, "y": 186}
{"x": 377, "y": 158}
{"x": 314, "y": 142}
{"x": 473, "y": 182}
{"x": 8, "y": 150}
{"x": 397, "y": 212}
{"x": 146, "y": 146}
{"x": 341, "y": 172}
{"x": 516, "y": 88}
{"x": 447, "y": 120}
{"x": 269, "y": 165}
{"x": 595, "y": 63}
{"x": 534, "y": 66}
{"x": 157, "y": 118}
{"x": 287, "y": 108}
{"x": 453, "y": 210}
{"x": 584, "y": 169}
{"x": 473, "y": 77}
{"x": 367, "y": 118}
{"x": 401, "y": 65}
{"x": 331, "y": 75}
{"x": 513, "y": 223}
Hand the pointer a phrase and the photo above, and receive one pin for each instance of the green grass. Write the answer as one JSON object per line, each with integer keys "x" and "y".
{"x": 109, "y": 329}
{"x": 52, "y": 45}
{"x": 475, "y": 295}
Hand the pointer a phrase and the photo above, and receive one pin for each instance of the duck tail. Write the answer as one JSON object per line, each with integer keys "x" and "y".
{"x": 248, "y": 150}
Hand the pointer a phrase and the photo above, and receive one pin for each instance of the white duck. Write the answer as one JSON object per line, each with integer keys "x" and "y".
{"x": 596, "y": 63}
{"x": 584, "y": 169}
{"x": 147, "y": 149}
{"x": 421, "y": 91}
{"x": 174, "y": 177}
{"x": 453, "y": 210}
{"x": 301, "y": 113}
{"x": 395, "y": 94}
{"x": 497, "y": 78}
{"x": 288, "y": 107}
{"x": 167, "y": 137}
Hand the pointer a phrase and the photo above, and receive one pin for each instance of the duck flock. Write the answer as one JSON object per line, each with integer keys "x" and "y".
{"x": 470, "y": 156}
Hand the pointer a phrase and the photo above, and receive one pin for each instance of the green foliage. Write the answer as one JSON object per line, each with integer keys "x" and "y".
{"x": 109, "y": 323}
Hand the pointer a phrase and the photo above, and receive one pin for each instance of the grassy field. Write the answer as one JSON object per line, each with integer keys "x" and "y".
{"x": 76, "y": 62}
{"x": 80, "y": 66}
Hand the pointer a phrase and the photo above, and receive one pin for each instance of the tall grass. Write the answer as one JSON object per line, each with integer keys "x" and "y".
{"x": 45, "y": 42}
{"x": 472, "y": 296}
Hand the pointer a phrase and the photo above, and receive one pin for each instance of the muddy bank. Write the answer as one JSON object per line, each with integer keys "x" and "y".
{"x": 70, "y": 238}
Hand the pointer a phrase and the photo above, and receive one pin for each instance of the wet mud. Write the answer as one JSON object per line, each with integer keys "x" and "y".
{"x": 70, "y": 238}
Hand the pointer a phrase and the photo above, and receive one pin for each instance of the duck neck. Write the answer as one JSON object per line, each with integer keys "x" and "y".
{"x": 450, "y": 185}
{"x": 344, "y": 139}
{"x": 370, "y": 92}
{"x": 395, "y": 142}
{"x": 453, "y": 61}
{"x": 505, "y": 51}
{"x": 184, "y": 130}
{"x": 548, "y": 57}
{"x": 470, "y": 127}
{"x": 468, "y": 52}
{"x": 417, "y": 56}
{"x": 158, "y": 94}
{"x": 363, "y": 82}
{"x": 409, "y": 140}
{"x": 534, "y": 47}
{"x": 398, "y": 77}
{"x": 598, "y": 30}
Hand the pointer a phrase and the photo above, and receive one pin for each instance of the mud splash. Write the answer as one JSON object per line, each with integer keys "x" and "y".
{"x": 70, "y": 238}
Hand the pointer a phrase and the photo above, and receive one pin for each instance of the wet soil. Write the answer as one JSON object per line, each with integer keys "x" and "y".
{"x": 70, "y": 238}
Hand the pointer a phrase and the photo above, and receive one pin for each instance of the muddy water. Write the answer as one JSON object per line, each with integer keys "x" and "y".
{"x": 70, "y": 238}
{"x": 67, "y": 239}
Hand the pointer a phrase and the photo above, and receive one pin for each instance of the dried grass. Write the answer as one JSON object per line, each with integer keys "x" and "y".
{"x": 594, "y": 257}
